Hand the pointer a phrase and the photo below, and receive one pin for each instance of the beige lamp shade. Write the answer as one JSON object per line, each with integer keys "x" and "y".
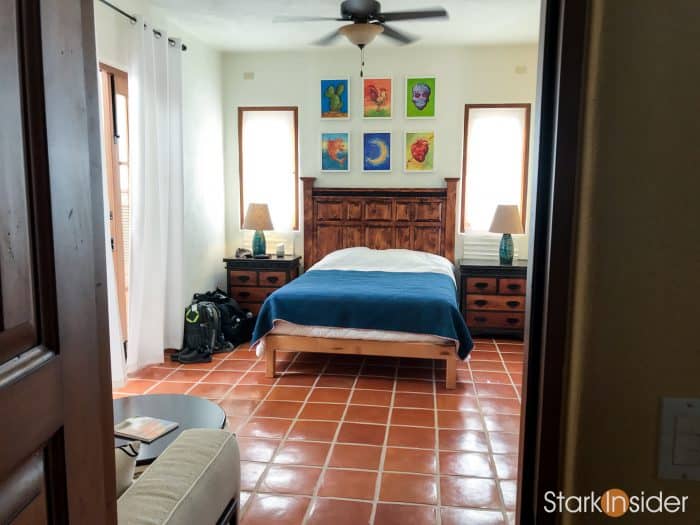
{"x": 257, "y": 217}
{"x": 506, "y": 219}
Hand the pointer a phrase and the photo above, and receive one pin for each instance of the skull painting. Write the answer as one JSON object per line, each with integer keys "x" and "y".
{"x": 421, "y": 95}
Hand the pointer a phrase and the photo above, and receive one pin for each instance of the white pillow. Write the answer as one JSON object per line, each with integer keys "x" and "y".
{"x": 125, "y": 462}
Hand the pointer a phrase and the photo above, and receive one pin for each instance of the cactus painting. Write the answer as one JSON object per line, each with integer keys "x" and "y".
{"x": 334, "y": 99}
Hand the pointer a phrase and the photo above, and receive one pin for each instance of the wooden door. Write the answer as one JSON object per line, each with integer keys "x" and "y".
{"x": 56, "y": 459}
{"x": 115, "y": 138}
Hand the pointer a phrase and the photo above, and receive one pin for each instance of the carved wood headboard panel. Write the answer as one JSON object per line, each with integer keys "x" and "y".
{"x": 416, "y": 218}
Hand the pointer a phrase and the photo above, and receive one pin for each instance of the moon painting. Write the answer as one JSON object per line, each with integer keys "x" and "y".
{"x": 376, "y": 152}
{"x": 419, "y": 153}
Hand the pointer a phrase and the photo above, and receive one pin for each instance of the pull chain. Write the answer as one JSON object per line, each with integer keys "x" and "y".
{"x": 362, "y": 61}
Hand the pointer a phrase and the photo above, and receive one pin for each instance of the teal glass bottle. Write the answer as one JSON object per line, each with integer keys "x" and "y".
{"x": 505, "y": 251}
{"x": 259, "y": 245}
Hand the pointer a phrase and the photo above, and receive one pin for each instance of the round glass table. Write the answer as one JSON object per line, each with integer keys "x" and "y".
{"x": 188, "y": 411}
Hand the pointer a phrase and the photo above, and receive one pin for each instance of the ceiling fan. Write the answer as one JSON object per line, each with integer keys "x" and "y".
{"x": 368, "y": 21}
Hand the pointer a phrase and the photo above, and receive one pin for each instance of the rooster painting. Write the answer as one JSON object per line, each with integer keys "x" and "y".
{"x": 377, "y": 97}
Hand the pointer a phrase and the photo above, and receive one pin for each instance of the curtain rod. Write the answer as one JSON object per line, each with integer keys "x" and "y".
{"x": 133, "y": 19}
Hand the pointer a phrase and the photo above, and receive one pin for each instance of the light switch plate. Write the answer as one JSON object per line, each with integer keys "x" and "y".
{"x": 679, "y": 442}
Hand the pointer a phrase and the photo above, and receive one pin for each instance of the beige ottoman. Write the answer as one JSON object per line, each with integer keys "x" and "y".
{"x": 195, "y": 481}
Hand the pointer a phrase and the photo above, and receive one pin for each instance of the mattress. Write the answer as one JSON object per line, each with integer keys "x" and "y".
{"x": 358, "y": 293}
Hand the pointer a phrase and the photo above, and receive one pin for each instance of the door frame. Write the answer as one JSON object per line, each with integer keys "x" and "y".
{"x": 562, "y": 62}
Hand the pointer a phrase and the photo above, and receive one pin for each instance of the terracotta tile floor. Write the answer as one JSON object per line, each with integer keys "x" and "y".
{"x": 353, "y": 440}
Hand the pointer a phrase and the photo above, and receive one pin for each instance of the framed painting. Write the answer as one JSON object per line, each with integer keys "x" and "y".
{"x": 376, "y": 151}
{"x": 419, "y": 151}
{"x": 335, "y": 99}
{"x": 420, "y": 97}
{"x": 378, "y": 98}
{"x": 335, "y": 151}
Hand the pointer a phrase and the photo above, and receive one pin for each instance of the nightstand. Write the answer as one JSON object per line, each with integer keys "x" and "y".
{"x": 492, "y": 297}
{"x": 250, "y": 281}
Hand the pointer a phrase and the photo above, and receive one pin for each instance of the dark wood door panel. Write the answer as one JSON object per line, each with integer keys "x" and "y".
{"x": 31, "y": 398}
{"x": 17, "y": 306}
{"x": 22, "y": 493}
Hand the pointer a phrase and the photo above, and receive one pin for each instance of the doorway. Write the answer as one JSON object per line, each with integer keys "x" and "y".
{"x": 115, "y": 135}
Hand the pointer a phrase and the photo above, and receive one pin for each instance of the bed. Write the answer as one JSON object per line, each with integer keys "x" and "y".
{"x": 379, "y": 279}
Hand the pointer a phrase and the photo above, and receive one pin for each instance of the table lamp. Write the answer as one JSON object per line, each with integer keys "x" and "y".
{"x": 506, "y": 220}
{"x": 257, "y": 218}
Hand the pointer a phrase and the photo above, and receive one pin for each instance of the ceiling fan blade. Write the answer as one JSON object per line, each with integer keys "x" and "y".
{"x": 283, "y": 19}
{"x": 395, "y": 16}
{"x": 397, "y": 35}
{"x": 328, "y": 39}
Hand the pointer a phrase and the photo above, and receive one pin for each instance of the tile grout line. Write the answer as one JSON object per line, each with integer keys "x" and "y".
{"x": 492, "y": 461}
{"x": 510, "y": 377}
{"x": 382, "y": 457}
{"x": 438, "y": 474}
{"x": 254, "y": 492}
{"x": 324, "y": 468}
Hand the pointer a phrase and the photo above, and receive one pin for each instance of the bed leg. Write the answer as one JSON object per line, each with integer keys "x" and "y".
{"x": 451, "y": 373}
{"x": 270, "y": 362}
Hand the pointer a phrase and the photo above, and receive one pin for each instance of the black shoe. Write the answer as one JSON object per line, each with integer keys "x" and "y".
{"x": 225, "y": 347}
{"x": 193, "y": 356}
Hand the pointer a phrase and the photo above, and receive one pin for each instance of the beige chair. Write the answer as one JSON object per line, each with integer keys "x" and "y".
{"x": 195, "y": 481}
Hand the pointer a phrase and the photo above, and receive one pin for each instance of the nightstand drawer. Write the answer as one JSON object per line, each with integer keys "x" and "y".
{"x": 481, "y": 285}
{"x": 243, "y": 278}
{"x": 272, "y": 278}
{"x": 253, "y": 307}
{"x": 252, "y": 295}
{"x": 513, "y": 321}
{"x": 511, "y": 286}
{"x": 515, "y": 303}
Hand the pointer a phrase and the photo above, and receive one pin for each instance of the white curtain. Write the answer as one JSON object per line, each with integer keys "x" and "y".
{"x": 116, "y": 350}
{"x": 156, "y": 267}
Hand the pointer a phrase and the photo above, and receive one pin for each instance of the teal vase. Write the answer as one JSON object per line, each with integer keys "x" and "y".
{"x": 505, "y": 252}
{"x": 259, "y": 246}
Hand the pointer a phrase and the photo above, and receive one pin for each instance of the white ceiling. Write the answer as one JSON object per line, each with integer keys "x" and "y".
{"x": 247, "y": 24}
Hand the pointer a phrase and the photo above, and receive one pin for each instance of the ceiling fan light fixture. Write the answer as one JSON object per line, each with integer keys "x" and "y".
{"x": 361, "y": 34}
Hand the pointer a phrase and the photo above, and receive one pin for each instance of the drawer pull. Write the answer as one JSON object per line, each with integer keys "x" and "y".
{"x": 513, "y": 287}
{"x": 480, "y": 319}
{"x": 512, "y": 320}
{"x": 513, "y": 304}
{"x": 481, "y": 302}
{"x": 243, "y": 278}
{"x": 272, "y": 279}
{"x": 243, "y": 294}
{"x": 481, "y": 285}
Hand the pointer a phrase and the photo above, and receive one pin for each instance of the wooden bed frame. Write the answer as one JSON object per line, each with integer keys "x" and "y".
{"x": 334, "y": 218}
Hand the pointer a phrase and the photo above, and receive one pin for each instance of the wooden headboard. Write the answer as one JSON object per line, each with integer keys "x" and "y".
{"x": 414, "y": 218}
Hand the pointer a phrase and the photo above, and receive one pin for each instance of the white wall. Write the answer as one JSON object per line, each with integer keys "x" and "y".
{"x": 202, "y": 134}
{"x": 464, "y": 75}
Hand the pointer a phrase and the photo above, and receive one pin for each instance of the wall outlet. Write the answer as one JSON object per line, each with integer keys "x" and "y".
{"x": 679, "y": 441}
{"x": 248, "y": 75}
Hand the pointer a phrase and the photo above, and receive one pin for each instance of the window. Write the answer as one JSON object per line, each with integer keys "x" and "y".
{"x": 115, "y": 126}
{"x": 268, "y": 162}
{"x": 494, "y": 170}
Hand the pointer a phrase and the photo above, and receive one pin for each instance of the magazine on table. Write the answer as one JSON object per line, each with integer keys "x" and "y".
{"x": 144, "y": 428}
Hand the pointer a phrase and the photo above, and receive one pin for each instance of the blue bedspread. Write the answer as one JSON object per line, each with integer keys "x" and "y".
{"x": 422, "y": 303}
